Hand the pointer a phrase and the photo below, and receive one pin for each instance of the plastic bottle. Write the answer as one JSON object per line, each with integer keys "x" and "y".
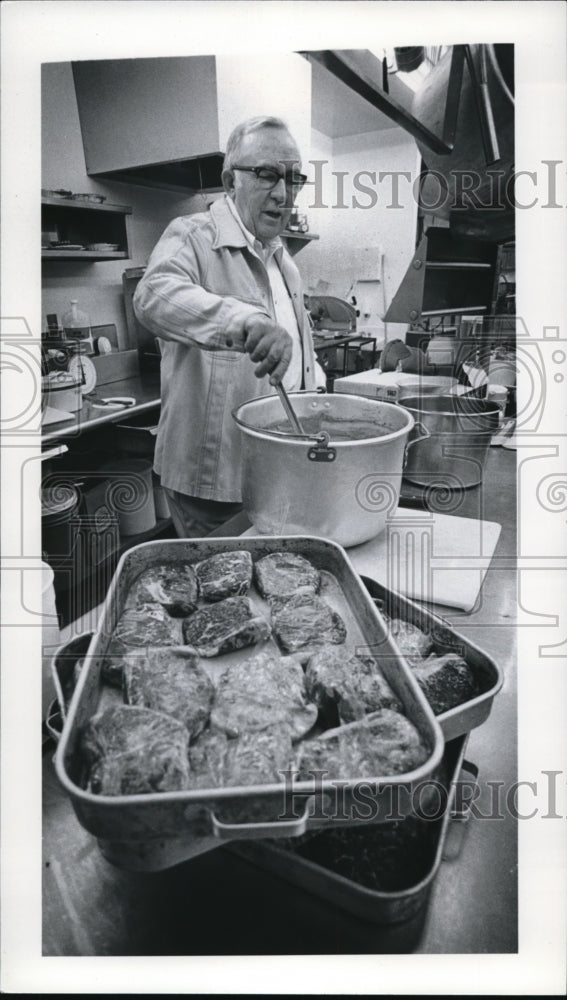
{"x": 77, "y": 325}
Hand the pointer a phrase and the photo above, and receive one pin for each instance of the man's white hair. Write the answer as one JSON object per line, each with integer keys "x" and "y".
{"x": 239, "y": 133}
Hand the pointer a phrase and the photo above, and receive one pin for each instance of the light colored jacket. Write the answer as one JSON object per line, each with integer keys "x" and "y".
{"x": 201, "y": 283}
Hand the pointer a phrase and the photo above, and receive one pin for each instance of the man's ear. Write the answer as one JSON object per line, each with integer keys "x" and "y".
{"x": 228, "y": 181}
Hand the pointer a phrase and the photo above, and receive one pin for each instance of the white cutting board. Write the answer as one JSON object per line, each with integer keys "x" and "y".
{"x": 428, "y": 556}
{"x": 52, "y": 416}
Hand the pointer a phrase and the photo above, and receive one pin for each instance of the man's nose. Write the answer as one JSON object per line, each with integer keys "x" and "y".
{"x": 283, "y": 193}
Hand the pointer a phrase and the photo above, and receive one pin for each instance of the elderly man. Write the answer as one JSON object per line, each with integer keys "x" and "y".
{"x": 226, "y": 299}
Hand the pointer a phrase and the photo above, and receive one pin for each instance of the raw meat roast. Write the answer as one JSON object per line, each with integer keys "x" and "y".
{"x": 306, "y": 620}
{"x": 262, "y": 692}
{"x": 174, "y": 586}
{"x": 113, "y": 662}
{"x": 255, "y": 758}
{"x": 446, "y": 681}
{"x": 412, "y": 643}
{"x": 206, "y": 760}
{"x": 130, "y": 751}
{"x": 222, "y": 627}
{"x": 283, "y": 574}
{"x": 228, "y": 574}
{"x": 171, "y": 681}
{"x": 148, "y": 625}
{"x": 353, "y": 686}
{"x": 381, "y": 743}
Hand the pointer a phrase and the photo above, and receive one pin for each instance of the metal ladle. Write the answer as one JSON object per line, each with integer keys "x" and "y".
{"x": 321, "y": 452}
{"x": 290, "y": 412}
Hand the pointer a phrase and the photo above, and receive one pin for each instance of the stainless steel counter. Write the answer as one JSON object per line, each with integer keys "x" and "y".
{"x": 221, "y": 904}
{"x": 145, "y": 389}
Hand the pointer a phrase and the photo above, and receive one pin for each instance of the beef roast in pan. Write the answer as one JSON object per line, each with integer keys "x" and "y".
{"x": 206, "y": 760}
{"x": 283, "y": 574}
{"x": 350, "y": 686}
{"x": 382, "y": 743}
{"x": 148, "y": 625}
{"x": 225, "y": 626}
{"x": 171, "y": 681}
{"x": 305, "y": 620}
{"x": 446, "y": 681}
{"x": 173, "y": 585}
{"x": 112, "y": 668}
{"x": 227, "y": 574}
{"x": 258, "y": 758}
{"x": 261, "y": 692}
{"x": 412, "y": 643}
{"x": 254, "y": 758}
{"x": 132, "y": 751}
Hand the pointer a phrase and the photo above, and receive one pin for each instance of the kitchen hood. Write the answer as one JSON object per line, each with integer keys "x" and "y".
{"x": 164, "y": 122}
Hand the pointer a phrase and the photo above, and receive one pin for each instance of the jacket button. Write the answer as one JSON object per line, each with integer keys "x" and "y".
{"x": 229, "y": 341}
{"x": 307, "y": 369}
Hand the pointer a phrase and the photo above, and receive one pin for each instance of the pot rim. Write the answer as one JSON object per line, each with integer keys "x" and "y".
{"x": 292, "y": 438}
{"x": 415, "y": 404}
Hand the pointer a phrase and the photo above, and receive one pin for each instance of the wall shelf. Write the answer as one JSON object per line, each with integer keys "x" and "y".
{"x": 82, "y": 223}
{"x": 296, "y": 241}
{"x": 83, "y": 255}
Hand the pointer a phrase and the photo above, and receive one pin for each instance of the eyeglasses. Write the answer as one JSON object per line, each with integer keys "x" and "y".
{"x": 267, "y": 177}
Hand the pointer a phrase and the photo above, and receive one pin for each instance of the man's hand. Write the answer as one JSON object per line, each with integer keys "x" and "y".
{"x": 269, "y": 344}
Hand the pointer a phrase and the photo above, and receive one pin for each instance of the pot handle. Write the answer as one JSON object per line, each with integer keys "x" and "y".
{"x": 421, "y": 434}
{"x": 460, "y": 815}
{"x": 256, "y": 831}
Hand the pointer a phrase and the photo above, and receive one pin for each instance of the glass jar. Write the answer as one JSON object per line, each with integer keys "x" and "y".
{"x": 77, "y": 325}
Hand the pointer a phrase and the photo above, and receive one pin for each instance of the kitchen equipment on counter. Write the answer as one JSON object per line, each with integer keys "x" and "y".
{"x": 62, "y": 391}
{"x": 392, "y": 386}
{"x": 59, "y": 522}
{"x": 155, "y": 831}
{"x": 502, "y": 368}
{"x": 497, "y": 394}
{"x": 453, "y": 452}
{"x": 113, "y": 403}
{"x": 76, "y": 322}
{"x": 332, "y": 315}
{"x": 433, "y": 841}
{"x": 83, "y": 369}
{"x": 51, "y": 415}
{"x": 327, "y": 483}
{"x": 130, "y": 494}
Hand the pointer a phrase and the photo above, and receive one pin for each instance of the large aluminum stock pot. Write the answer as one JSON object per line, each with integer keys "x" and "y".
{"x": 339, "y": 481}
{"x": 456, "y": 436}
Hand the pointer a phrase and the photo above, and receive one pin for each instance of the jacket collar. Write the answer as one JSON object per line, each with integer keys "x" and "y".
{"x": 228, "y": 231}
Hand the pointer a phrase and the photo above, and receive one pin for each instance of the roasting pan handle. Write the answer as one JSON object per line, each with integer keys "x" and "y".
{"x": 63, "y": 674}
{"x": 257, "y": 831}
{"x": 461, "y": 812}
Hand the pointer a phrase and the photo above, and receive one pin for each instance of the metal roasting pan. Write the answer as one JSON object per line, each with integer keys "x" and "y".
{"x": 489, "y": 676}
{"x": 155, "y": 831}
{"x": 379, "y": 906}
